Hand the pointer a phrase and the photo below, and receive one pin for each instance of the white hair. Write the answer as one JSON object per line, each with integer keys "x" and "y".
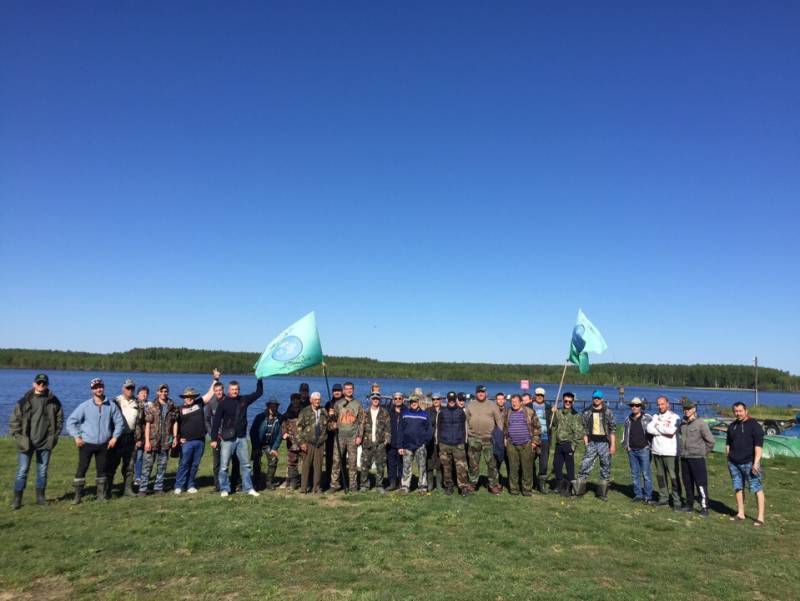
{"x": 316, "y": 394}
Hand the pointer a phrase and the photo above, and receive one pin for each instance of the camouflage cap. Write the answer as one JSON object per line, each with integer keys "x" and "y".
{"x": 129, "y": 383}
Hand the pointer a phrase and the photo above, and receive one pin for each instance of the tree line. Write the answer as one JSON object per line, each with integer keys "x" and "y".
{"x": 609, "y": 374}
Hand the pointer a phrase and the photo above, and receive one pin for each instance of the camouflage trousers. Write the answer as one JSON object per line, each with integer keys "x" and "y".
{"x": 593, "y": 451}
{"x": 373, "y": 451}
{"x": 420, "y": 457}
{"x": 349, "y": 450}
{"x": 478, "y": 450}
{"x": 453, "y": 456}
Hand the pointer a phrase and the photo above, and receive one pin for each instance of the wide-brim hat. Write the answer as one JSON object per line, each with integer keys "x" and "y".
{"x": 189, "y": 393}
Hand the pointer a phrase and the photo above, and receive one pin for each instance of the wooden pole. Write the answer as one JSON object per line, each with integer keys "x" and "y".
{"x": 558, "y": 394}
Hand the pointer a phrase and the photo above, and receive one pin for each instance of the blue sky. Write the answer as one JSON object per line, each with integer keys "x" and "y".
{"x": 442, "y": 181}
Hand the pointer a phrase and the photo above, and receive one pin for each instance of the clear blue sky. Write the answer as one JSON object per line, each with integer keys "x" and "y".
{"x": 437, "y": 180}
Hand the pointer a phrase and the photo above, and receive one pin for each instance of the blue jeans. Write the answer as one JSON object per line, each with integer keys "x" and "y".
{"x": 24, "y": 464}
{"x": 137, "y": 463}
{"x": 640, "y": 470}
{"x": 191, "y": 454}
{"x": 238, "y": 447}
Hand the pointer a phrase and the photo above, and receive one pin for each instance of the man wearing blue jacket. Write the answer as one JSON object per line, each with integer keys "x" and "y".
{"x": 415, "y": 432}
{"x": 452, "y": 435}
{"x": 393, "y": 457}
{"x": 95, "y": 425}
{"x": 265, "y": 439}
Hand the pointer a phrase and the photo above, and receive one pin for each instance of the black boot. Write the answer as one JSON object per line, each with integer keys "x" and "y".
{"x": 78, "y": 483}
{"x": 565, "y": 488}
{"x": 102, "y": 490}
{"x": 392, "y": 486}
{"x": 128, "y": 490}
{"x": 601, "y": 490}
{"x": 579, "y": 487}
{"x": 40, "y": 498}
{"x": 268, "y": 485}
{"x": 17, "y": 502}
{"x": 542, "y": 485}
{"x": 107, "y": 488}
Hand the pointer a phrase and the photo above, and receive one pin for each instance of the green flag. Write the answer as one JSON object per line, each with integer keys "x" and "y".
{"x": 296, "y": 348}
{"x": 586, "y": 338}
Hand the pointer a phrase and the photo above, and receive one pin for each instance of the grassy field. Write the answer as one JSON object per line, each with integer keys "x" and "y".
{"x": 375, "y": 547}
{"x": 763, "y": 412}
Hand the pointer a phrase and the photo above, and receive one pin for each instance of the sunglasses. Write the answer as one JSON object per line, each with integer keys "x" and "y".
{"x": 570, "y": 402}
{"x": 41, "y": 383}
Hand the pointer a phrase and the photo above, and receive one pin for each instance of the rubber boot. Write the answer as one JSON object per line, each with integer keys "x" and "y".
{"x": 268, "y": 485}
{"x": 109, "y": 485}
{"x": 17, "y": 502}
{"x": 40, "y": 498}
{"x": 564, "y": 488}
{"x": 601, "y": 490}
{"x": 392, "y": 486}
{"x": 102, "y": 490}
{"x": 78, "y": 483}
{"x": 128, "y": 490}
{"x": 296, "y": 483}
{"x": 579, "y": 487}
{"x": 542, "y": 485}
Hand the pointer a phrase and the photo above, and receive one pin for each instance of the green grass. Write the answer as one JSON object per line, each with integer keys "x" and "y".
{"x": 370, "y": 547}
{"x": 763, "y": 412}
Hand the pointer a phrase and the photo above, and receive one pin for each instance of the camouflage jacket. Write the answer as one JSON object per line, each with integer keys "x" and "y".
{"x": 289, "y": 428}
{"x": 567, "y": 427}
{"x": 138, "y": 428}
{"x": 531, "y": 420}
{"x": 160, "y": 429}
{"x": 307, "y": 427}
{"x": 383, "y": 427}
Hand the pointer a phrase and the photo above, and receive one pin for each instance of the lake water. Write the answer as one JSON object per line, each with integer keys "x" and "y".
{"x": 72, "y": 387}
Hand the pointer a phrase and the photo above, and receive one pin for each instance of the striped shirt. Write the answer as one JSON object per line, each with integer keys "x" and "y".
{"x": 518, "y": 428}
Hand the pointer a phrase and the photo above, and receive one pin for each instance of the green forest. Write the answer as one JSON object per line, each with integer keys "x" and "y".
{"x": 611, "y": 374}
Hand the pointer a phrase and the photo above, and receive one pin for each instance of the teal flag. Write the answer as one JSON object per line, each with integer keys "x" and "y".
{"x": 586, "y": 338}
{"x": 296, "y": 348}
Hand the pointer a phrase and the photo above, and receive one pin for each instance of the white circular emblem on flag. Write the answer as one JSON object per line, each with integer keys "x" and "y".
{"x": 288, "y": 349}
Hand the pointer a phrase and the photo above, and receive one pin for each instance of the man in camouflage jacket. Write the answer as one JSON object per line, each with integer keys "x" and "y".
{"x": 160, "y": 435}
{"x": 312, "y": 434}
{"x": 375, "y": 433}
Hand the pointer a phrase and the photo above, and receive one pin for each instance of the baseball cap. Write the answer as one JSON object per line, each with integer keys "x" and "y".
{"x": 687, "y": 404}
{"x": 337, "y": 387}
{"x": 413, "y": 399}
{"x": 539, "y": 391}
{"x": 636, "y": 401}
{"x": 128, "y": 383}
{"x": 437, "y": 395}
{"x": 374, "y": 395}
{"x": 96, "y": 382}
{"x": 597, "y": 394}
{"x": 272, "y": 401}
{"x": 397, "y": 395}
{"x": 42, "y": 378}
{"x": 451, "y": 396}
{"x": 461, "y": 396}
{"x": 480, "y": 388}
{"x": 162, "y": 387}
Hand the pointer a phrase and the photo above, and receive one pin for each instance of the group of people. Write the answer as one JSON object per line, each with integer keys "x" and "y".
{"x": 447, "y": 442}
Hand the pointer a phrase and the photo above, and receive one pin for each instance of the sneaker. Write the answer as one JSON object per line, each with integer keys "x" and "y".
{"x": 224, "y": 493}
{"x": 637, "y": 500}
{"x": 403, "y": 490}
{"x": 252, "y": 492}
{"x": 178, "y": 491}
{"x": 192, "y": 490}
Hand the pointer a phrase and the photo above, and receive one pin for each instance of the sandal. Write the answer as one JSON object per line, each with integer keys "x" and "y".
{"x": 758, "y": 523}
{"x": 736, "y": 518}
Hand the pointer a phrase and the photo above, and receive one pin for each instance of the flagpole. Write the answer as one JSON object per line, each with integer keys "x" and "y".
{"x": 558, "y": 394}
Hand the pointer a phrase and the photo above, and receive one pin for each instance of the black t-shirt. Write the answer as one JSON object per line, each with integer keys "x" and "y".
{"x": 191, "y": 421}
{"x": 638, "y": 438}
{"x": 743, "y": 438}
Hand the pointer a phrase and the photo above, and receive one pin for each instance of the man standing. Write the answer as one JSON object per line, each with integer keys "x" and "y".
{"x": 142, "y": 396}
{"x": 132, "y": 432}
{"x": 312, "y": 431}
{"x": 347, "y": 412}
{"x": 95, "y": 425}
{"x": 600, "y": 438}
{"x": 743, "y": 447}
{"x": 542, "y": 410}
{"x": 434, "y": 462}
{"x": 192, "y": 435}
{"x": 522, "y": 434}
{"x": 35, "y": 424}
{"x": 265, "y": 440}
{"x": 330, "y": 441}
{"x": 415, "y": 432}
{"x": 394, "y": 458}
{"x": 451, "y": 434}
{"x": 696, "y": 441}
{"x": 218, "y": 393}
{"x": 635, "y": 440}
{"x": 567, "y": 432}
{"x": 375, "y": 433}
{"x": 160, "y": 435}
{"x": 482, "y": 418}
{"x": 664, "y": 443}
{"x": 229, "y": 431}
{"x": 289, "y": 433}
